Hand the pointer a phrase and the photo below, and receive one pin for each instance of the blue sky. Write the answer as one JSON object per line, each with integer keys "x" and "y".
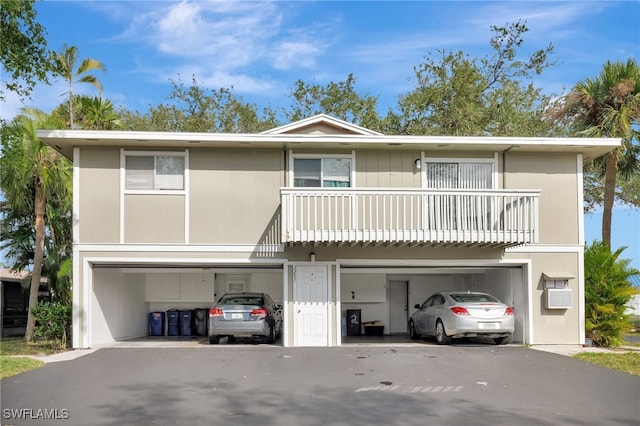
{"x": 262, "y": 48}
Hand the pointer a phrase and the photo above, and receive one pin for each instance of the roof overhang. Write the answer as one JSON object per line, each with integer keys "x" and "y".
{"x": 65, "y": 140}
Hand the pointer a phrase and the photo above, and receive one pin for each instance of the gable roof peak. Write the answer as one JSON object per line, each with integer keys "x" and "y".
{"x": 321, "y": 119}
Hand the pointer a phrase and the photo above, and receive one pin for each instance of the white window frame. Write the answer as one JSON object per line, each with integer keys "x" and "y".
{"x": 351, "y": 156}
{"x": 123, "y": 171}
{"x": 493, "y": 161}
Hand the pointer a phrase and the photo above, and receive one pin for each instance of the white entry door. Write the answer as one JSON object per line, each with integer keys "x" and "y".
{"x": 311, "y": 305}
{"x": 398, "y": 306}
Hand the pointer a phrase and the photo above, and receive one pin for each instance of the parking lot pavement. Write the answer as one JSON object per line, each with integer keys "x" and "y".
{"x": 359, "y": 385}
{"x": 179, "y": 342}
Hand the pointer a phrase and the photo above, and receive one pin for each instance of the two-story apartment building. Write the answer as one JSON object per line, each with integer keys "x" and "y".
{"x": 325, "y": 216}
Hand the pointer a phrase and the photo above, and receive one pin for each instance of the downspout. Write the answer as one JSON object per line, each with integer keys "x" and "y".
{"x": 504, "y": 165}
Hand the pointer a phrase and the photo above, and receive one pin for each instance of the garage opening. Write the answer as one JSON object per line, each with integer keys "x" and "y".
{"x": 169, "y": 304}
{"x": 376, "y": 303}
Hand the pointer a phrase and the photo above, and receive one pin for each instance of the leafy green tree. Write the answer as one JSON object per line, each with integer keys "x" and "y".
{"x": 65, "y": 63}
{"x": 630, "y": 190}
{"x": 32, "y": 173}
{"x": 627, "y": 189}
{"x": 196, "y": 109}
{"x": 456, "y": 94}
{"x": 339, "y": 100}
{"x": 609, "y": 106}
{"x": 23, "y": 49}
{"x": 607, "y": 291}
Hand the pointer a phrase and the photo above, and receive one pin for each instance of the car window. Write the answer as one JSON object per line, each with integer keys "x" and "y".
{"x": 427, "y": 303}
{"x": 241, "y": 300}
{"x": 438, "y": 300}
{"x": 473, "y": 298}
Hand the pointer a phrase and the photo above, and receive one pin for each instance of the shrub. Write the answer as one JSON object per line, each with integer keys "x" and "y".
{"x": 607, "y": 291}
{"x": 52, "y": 321}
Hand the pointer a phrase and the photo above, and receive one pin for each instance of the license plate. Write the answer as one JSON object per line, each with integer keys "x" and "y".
{"x": 487, "y": 325}
{"x": 236, "y": 316}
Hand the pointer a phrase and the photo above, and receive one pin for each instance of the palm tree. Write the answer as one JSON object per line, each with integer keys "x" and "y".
{"x": 609, "y": 106}
{"x": 65, "y": 66}
{"x": 31, "y": 174}
{"x": 98, "y": 114}
{"x": 608, "y": 289}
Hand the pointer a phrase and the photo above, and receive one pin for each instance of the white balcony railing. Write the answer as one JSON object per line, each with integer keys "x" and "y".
{"x": 401, "y": 216}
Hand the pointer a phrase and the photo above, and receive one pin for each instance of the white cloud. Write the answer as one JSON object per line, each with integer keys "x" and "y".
{"x": 220, "y": 41}
{"x": 226, "y": 35}
{"x": 44, "y": 97}
{"x": 292, "y": 54}
{"x": 241, "y": 83}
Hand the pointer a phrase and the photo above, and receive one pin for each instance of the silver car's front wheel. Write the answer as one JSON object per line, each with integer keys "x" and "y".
{"x": 413, "y": 335}
{"x": 441, "y": 334}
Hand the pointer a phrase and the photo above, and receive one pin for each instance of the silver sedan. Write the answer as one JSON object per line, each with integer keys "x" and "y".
{"x": 245, "y": 315}
{"x": 454, "y": 314}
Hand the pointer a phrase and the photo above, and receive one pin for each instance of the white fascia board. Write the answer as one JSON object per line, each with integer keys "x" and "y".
{"x": 124, "y": 136}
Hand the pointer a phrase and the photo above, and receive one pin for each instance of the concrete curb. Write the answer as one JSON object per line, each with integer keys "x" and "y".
{"x": 63, "y": 356}
{"x": 570, "y": 350}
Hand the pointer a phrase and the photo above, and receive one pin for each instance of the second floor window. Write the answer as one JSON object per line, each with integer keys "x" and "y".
{"x": 154, "y": 172}
{"x": 322, "y": 172}
{"x": 463, "y": 175}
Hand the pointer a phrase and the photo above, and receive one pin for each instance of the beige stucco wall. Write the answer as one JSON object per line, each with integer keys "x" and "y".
{"x": 556, "y": 176}
{"x": 387, "y": 169}
{"x": 553, "y": 326}
{"x": 99, "y": 194}
{"x": 154, "y": 218}
{"x": 235, "y": 196}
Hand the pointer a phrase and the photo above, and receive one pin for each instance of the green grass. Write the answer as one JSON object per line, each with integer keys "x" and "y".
{"x": 12, "y": 365}
{"x": 628, "y": 362}
{"x": 13, "y": 349}
{"x": 17, "y": 346}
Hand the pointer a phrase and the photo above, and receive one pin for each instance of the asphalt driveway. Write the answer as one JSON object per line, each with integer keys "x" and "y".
{"x": 271, "y": 385}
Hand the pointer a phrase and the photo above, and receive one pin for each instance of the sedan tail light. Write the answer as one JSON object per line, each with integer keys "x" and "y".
{"x": 508, "y": 311}
{"x": 260, "y": 312}
{"x": 459, "y": 310}
{"x": 213, "y": 312}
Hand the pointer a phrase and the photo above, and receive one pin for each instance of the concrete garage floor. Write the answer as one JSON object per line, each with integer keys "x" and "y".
{"x": 198, "y": 341}
{"x": 400, "y": 339}
{"x": 195, "y": 341}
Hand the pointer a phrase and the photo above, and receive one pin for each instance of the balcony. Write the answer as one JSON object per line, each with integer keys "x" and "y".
{"x": 415, "y": 217}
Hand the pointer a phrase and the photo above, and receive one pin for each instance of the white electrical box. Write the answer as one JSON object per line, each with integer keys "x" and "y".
{"x": 559, "y": 298}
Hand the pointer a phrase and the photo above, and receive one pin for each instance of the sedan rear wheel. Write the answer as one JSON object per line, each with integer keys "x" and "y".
{"x": 501, "y": 340}
{"x": 271, "y": 338}
{"x": 441, "y": 334}
{"x": 412, "y": 331}
{"x": 214, "y": 340}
